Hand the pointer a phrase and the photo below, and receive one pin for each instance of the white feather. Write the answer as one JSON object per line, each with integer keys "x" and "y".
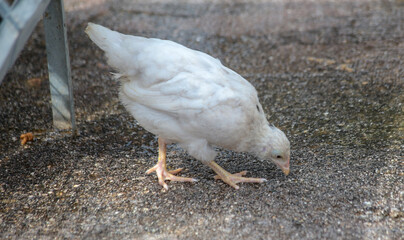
{"x": 185, "y": 96}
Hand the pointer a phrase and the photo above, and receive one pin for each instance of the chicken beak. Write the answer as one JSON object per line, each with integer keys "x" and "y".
{"x": 286, "y": 171}
{"x": 284, "y": 167}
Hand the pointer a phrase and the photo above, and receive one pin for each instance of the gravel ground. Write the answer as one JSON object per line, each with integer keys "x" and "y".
{"x": 329, "y": 73}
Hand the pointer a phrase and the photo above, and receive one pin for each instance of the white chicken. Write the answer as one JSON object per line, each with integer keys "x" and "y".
{"x": 188, "y": 97}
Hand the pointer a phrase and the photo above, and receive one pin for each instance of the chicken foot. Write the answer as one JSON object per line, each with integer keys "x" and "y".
{"x": 161, "y": 168}
{"x": 232, "y": 179}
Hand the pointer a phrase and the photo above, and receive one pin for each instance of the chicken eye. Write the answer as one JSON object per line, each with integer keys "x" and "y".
{"x": 278, "y": 156}
{"x": 258, "y": 108}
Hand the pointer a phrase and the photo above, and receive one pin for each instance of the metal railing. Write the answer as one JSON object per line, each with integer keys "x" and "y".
{"x": 18, "y": 21}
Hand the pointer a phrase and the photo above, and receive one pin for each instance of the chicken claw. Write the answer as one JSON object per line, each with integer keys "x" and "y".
{"x": 161, "y": 169}
{"x": 233, "y": 179}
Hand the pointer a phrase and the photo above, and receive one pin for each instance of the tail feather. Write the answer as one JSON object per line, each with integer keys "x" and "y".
{"x": 103, "y": 37}
{"x": 133, "y": 55}
{"x": 111, "y": 43}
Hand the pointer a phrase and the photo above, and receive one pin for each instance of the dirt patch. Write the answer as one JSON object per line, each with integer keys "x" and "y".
{"x": 329, "y": 73}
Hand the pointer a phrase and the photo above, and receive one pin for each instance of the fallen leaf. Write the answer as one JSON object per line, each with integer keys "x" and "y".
{"x": 26, "y": 137}
{"x": 344, "y": 67}
{"x": 321, "y": 60}
{"x": 34, "y": 82}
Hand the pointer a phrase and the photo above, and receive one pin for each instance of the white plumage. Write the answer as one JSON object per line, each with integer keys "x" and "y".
{"x": 188, "y": 97}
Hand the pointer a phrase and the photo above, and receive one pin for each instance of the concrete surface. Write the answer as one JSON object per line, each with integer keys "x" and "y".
{"x": 329, "y": 73}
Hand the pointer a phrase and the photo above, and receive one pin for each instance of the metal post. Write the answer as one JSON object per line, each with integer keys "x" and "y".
{"x": 19, "y": 20}
{"x": 59, "y": 67}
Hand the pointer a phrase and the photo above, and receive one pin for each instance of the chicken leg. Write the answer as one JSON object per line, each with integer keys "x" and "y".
{"x": 161, "y": 169}
{"x": 232, "y": 179}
